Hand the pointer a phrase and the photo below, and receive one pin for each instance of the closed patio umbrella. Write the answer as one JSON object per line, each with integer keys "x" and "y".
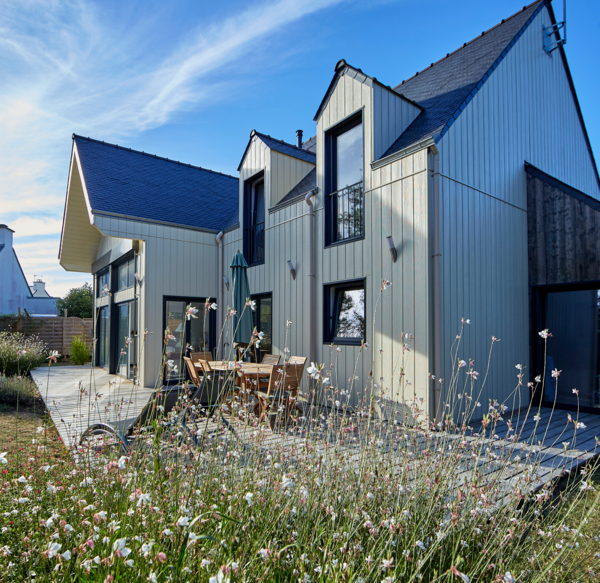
{"x": 242, "y": 323}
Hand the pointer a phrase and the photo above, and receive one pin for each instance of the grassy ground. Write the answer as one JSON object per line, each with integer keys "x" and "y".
{"x": 19, "y": 430}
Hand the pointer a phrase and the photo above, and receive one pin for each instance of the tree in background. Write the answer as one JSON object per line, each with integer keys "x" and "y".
{"x": 78, "y": 302}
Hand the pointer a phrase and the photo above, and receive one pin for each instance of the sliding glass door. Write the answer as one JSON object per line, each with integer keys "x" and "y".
{"x": 126, "y": 340}
{"x": 103, "y": 327}
{"x": 572, "y": 317}
{"x": 185, "y": 335}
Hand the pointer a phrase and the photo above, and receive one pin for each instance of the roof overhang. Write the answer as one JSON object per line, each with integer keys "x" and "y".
{"x": 79, "y": 237}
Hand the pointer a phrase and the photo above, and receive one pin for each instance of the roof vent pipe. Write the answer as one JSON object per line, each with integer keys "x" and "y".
{"x": 299, "y": 138}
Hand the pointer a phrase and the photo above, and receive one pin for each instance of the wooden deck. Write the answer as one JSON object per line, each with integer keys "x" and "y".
{"x": 78, "y": 396}
{"x": 543, "y": 440}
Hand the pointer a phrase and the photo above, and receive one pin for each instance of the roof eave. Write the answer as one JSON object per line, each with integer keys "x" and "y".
{"x": 429, "y": 142}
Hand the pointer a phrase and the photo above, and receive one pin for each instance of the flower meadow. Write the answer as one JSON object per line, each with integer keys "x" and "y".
{"x": 331, "y": 493}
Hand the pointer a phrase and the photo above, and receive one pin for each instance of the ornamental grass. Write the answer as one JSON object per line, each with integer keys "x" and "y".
{"x": 328, "y": 493}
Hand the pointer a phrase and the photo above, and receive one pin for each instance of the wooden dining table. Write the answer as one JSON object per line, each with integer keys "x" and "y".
{"x": 249, "y": 370}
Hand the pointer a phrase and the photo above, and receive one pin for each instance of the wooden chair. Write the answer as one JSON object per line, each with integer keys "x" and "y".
{"x": 297, "y": 360}
{"x": 196, "y": 356}
{"x": 194, "y": 376}
{"x": 284, "y": 385}
{"x": 270, "y": 359}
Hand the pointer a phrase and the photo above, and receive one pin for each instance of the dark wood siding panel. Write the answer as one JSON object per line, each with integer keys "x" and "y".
{"x": 562, "y": 236}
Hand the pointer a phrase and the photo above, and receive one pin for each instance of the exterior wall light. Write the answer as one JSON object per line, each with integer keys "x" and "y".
{"x": 226, "y": 282}
{"x": 292, "y": 270}
{"x": 392, "y": 248}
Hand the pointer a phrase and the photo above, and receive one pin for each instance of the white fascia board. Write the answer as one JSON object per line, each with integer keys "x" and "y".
{"x": 82, "y": 177}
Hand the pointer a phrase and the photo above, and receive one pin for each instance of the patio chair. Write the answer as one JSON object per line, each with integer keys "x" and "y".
{"x": 284, "y": 385}
{"x": 298, "y": 360}
{"x": 207, "y": 392}
{"x": 263, "y": 382}
{"x": 196, "y": 356}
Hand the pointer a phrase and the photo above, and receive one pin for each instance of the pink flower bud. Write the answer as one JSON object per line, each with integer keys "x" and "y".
{"x": 162, "y": 557}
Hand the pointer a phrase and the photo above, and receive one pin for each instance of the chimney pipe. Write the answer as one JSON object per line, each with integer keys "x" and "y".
{"x": 299, "y": 137}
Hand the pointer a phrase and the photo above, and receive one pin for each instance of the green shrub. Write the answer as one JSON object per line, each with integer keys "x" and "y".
{"x": 15, "y": 389}
{"x": 79, "y": 352}
{"x": 20, "y": 353}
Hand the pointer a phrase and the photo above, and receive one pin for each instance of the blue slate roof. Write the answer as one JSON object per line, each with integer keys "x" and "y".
{"x": 444, "y": 88}
{"x": 139, "y": 185}
{"x": 283, "y": 148}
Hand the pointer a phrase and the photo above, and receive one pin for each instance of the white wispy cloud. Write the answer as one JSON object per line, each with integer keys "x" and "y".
{"x": 65, "y": 67}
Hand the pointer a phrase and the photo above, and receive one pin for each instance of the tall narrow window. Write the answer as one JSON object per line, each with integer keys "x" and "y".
{"x": 262, "y": 319}
{"x": 344, "y": 203}
{"x": 254, "y": 220}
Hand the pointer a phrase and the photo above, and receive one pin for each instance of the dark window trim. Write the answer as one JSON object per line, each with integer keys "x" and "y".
{"x": 97, "y": 336}
{"x": 538, "y": 317}
{"x": 328, "y": 337}
{"x": 331, "y": 134}
{"x": 97, "y": 275}
{"x": 212, "y": 325}
{"x": 258, "y": 298}
{"x": 114, "y": 349}
{"x": 115, "y": 273}
{"x": 249, "y": 183}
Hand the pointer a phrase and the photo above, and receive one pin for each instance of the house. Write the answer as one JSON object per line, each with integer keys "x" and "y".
{"x": 471, "y": 187}
{"x": 15, "y": 293}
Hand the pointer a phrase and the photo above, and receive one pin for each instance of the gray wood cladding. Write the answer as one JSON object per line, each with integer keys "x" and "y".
{"x": 563, "y": 241}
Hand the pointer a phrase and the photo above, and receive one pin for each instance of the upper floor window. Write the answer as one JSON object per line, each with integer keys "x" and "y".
{"x": 125, "y": 274}
{"x": 254, "y": 220}
{"x": 103, "y": 283}
{"x": 344, "y": 195}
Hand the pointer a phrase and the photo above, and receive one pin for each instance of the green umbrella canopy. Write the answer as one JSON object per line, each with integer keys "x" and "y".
{"x": 242, "y": 323}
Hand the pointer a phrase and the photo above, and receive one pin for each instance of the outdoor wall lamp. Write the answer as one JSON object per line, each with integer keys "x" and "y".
{"x": 226, "y": 282}
{"x": 292, "y": 270}
{"x": 392, "y": 248}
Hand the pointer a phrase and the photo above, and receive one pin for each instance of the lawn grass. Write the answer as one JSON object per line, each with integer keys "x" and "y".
{"x": 18, "y": 431}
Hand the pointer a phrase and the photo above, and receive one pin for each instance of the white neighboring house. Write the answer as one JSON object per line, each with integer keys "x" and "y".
{"x": 15, "y": 293}
{"x": 471, "y": 186}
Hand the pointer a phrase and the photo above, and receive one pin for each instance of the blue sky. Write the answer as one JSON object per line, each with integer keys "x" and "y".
{"x": 189, "y": 80}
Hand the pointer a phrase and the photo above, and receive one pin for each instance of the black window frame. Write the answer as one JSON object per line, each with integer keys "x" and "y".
{"x": 126, "y": 259}
{"x": 251, "y": 254}
{"x": 100, "y": 281}
{"x": 330, "y": 202}
{"x": 329, "y": 314}
{"x": 212, "y": 331}
{"x": 256, "y": 319}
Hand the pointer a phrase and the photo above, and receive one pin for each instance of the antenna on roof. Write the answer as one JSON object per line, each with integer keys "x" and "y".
{"x": 551, "y": 32}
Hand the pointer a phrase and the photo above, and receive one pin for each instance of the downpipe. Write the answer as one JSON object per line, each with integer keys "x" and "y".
{"x": 219, "y": 241}
{"x": 311, "y": 279}
{"x": 436, "y": 282}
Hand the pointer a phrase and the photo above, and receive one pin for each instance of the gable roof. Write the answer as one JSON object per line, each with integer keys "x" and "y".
{"x": 281, "y": 147}
{"x": 445, "y": 88}
{"x": 124, "y": 182}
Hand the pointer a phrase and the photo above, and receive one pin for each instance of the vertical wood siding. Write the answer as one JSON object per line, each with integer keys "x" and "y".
{"x": 395, "y": 204}
{"x": 172, "y": 261}
{"x": 524, "y": 112}
{"x": 391, "y": 116}
{"x": 284, "y": 173}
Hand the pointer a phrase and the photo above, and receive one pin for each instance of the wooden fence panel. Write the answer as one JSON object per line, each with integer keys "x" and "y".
{"x": 58, "y": 332}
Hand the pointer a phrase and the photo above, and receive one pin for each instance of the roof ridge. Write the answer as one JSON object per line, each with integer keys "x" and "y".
{"x": 153, "y": 156}
{"x": 284, "y": 142}
{"x": 503, "y": 21}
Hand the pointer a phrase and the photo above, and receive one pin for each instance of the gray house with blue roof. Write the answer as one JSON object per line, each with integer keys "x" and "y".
{"x": 471, "y": 186}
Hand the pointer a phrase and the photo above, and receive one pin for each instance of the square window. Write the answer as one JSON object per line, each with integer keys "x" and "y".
{"x": 344, "y": 193}
{"x": 344, "y": 311}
